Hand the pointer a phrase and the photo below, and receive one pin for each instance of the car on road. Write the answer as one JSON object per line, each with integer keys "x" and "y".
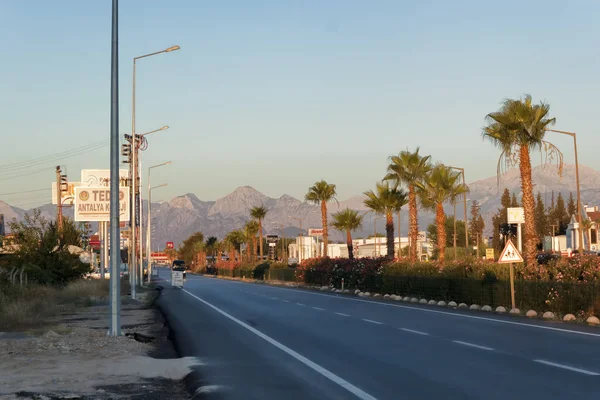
{"x": 179, "y": 265}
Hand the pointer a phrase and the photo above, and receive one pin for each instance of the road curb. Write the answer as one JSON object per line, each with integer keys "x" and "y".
{"x": 194, "y": 381}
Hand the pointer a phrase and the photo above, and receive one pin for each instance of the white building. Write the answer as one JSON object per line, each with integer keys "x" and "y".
{"x": 308, "y": 247}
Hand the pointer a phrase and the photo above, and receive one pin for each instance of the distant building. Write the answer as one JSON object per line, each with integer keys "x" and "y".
{"x": 310, "y": 247}
{"x": 590, "y": 238}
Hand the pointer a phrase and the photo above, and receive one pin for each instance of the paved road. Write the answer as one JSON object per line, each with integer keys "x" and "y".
{"x": 263, "y": 342}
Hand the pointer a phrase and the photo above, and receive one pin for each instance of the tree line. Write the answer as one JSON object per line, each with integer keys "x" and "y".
{"x": 517, "y": 129}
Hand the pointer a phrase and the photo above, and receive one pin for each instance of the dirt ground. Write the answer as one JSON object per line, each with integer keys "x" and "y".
{"x": 75, "y": 359}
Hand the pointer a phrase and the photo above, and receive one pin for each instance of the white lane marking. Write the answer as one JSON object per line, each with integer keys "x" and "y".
{"x": 373, "y": 322}
{"x": 319, "y": 308}
{"x": 300, "y": 304}
{"x": 342, "y": 314}
{"x": 473, "y": 345}
{"x": 285, "y": 301}
{"x": 456, "y": 315}
{"x": 413, "y": 331}
{"x": 581, "y": 371}
{"x": 310, "y": 364}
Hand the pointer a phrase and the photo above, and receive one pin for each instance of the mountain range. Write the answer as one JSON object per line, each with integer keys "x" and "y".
{"x": 178, "y": 218}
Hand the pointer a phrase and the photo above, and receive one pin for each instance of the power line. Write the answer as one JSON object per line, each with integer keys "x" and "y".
{"x": 26, "y": 173}
{"x": 25, "y": 191}
{"x": 8, "y": 168}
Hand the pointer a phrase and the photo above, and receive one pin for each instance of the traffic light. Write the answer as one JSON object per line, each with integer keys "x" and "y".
{"x": 64, "y": 184}
{"x": 126, "y": 152}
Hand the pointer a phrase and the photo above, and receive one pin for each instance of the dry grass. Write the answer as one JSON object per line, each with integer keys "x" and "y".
{"x": 24, "y": 308}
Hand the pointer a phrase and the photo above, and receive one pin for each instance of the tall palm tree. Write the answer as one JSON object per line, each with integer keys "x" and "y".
{"x": 320, "y": 193}
{"x": 586, "y": 225}
{"x": 410, "y": 168}
{"x": 259, "y": 213}
{"x": 517, "y": 128}
{"x": 387, "y": 200}
{"x": 347, "y": 221}
{"x": 441, "y": 185}
{"x": 251, "y": 228}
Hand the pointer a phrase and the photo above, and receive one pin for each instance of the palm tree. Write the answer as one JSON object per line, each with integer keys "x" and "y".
{"x": 251, "y": 228}
{"x": 586, "y": 225}
{"x": 410, "y": 168}
{"x": 387, "y": 201}
{"x": 320, "y": 193}
{"x": 259, "y": 213}
{"x": 234, "y": 239}
{"x": 517, "y": 128}
{"x": 347, "y": 220}
{"x": 441, "y": 185}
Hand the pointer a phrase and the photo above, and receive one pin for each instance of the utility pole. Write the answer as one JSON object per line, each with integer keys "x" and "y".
{"x": 59, "y": 217}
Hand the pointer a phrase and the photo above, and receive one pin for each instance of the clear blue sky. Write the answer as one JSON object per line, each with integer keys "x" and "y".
{"x": 277, "y": 94}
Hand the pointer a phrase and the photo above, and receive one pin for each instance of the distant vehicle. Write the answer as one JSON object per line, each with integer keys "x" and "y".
{"x": 179, "y": 265}
{"x": 545, "y": 258}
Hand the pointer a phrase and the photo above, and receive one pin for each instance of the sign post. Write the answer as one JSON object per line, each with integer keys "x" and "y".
{"x": 516, "y": 215}
{"x": 510, "y": 255}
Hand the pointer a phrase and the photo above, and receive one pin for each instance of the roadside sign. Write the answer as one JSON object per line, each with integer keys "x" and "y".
{"x": 67, "y": 197}
{"x": 95, "y": 242}
{"x": 93, "y": 204}
{"x": 515, "y": 215}
{"x": 101, "y": 177}
{"x": 315, "y": 232}
{"x": 272, "y": 244}
{"x": 510, "y": 254}
{"x": 489, "y": 254}
{"x": 170, "y": 245}
{"x": 177, "y": 278}
{"x": 272, "y": 238}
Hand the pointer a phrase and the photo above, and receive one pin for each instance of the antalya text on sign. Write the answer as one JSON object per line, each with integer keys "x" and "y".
{"x": 93, "y": 204}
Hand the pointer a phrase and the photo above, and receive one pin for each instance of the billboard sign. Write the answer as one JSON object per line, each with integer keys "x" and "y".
{"x": 159, "y": 256}
{"x": 101, "y": 177}
{"x": 515, "y": 215}
{"x": 66, "y": 197}
{"x": 272, "y": 238}
{"x": 170, "y": 245}
{"x": 315, "y": 232}
{"x": 93, "y": 204}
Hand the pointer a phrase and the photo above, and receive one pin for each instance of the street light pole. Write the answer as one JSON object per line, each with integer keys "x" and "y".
{"x": 454, "y": 236}
{"x": 462, "y": 171}
{"x": 580, "y": 230}
{"x": 134, "y": 176}
{"x": 148, "y": 233}
{"x": 115, "y": 234}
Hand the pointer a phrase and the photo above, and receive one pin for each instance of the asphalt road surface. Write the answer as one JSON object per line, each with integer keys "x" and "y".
{"x": 264, "y": 342}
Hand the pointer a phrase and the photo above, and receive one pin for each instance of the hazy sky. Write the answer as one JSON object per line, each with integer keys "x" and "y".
{"x": 279, "y": 94}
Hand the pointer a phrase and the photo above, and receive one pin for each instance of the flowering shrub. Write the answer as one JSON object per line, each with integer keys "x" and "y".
{"x": 357, "y": 273}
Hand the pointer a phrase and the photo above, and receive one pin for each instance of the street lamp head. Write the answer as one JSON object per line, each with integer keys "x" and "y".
{"x": 164, "y": 128}
{"x": 172, "y": 48}
{"x": 168, "y": 163}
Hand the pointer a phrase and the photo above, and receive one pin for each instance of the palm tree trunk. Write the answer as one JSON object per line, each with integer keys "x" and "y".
{"x": 260, "y": 234}
{"x": 325, "y": 231}
{"x": 349, "y": 244}
{"x": 389, "y": 232}
{"x": 254, "y": 248}
{"x": 413, "y": 222}
{"x": 528, "y": 205}
{"x": 440, "y": 220}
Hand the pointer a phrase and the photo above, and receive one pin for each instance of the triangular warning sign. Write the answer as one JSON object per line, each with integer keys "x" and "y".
{"x": 510, "y": 254}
